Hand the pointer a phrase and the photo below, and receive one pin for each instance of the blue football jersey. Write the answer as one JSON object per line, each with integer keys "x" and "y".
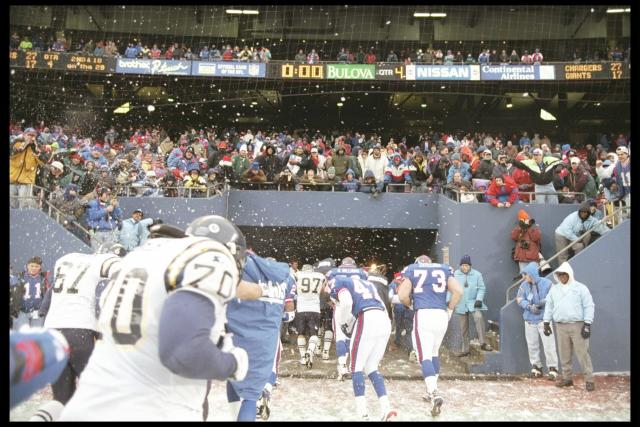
{"x": 429, "y": 282}
{"x": 364, "y": 294}
{"x": 348, "y": 272}
{"x": 256, "y": 324}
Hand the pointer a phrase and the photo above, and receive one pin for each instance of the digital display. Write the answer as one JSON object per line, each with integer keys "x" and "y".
{"x": 600, "y": 71}
{"x": 301, "y": 71}
{"x": 62, "y": 61}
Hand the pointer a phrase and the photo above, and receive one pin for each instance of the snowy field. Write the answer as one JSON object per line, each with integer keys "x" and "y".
{"x": 303, "y": 399}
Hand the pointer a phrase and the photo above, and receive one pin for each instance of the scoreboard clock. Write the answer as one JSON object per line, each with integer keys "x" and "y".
{"x": 302, "y": 71}
{"x": 62, "y": 61}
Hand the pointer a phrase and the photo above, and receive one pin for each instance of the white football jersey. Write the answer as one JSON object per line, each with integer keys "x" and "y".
{"x": 309, "y": 284}
{"x": 125, "y": 379}
{"x": 74, "y": 289}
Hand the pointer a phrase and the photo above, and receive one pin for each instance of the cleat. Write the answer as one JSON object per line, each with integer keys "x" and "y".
{"x": 553, "y": 374}
{"x": 536, "y": 372}
{"x": 437, "y": 400}
{"x": 427, "y": 398}
{"x": 389, "y": 416}
{"x": 307, "y": 360}
{"x": 263, "y": 410}
{"x": 343, "y": 372}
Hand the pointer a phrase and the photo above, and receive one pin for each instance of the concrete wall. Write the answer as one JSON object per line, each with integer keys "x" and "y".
{"x": 32, "y": 232}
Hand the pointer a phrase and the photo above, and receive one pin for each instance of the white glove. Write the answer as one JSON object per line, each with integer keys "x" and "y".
{"x": 449, "y": 313}
{"x": 288, "y": 316}
{"x": 242, "y": 359}
{"x": 35, "y": 315}
{"x": 395, "y": 299}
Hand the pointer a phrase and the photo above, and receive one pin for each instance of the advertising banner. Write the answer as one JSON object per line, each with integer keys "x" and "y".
{"x": 442, "y": 72}
{"x": 517, "y": 72}
{"x": 229, "y": 69}
{"x": 160, "y": 67}
{"x": 351, "y": 72}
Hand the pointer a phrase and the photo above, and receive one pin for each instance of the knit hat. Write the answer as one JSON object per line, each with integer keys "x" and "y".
{"x": 523, "y": 215}
{"x": 57, "y": 165}
{"x": 538, "y": 151}
{"x": 606, "y": 163}
{"x": 243, "y": 147}
{"x": 566, "y": 147}
{"x": 466, "y": 259}
{"x": 255, "y": 165}
{"x": 481, "y": 149}
{"x": 455, "y": 156}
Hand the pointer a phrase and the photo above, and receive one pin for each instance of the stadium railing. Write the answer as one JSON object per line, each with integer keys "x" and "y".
{"x": 579, "y": 196}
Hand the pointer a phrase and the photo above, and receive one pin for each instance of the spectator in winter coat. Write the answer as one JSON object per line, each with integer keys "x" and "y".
{"x": 340, "y": 161}
{"x": 571, "y": 228}
{"x": 522, "y": 178}
{"x": 369, "y": 184}
{"x": 453, "y": 188}
{"x": 103, "y": 218}
{"x": 471, "y": 303}
{"x": 486, "y": 165}
{"x": 131, "y": 234}
{"x": 622, "y": 174}
{"x": 542, "y": 172}
{"x": 196, "y": 183}
{"x": 317, "y": 162}
{"x": 376, "y": 163}
{"x": 397, "y": 172}
{"x": 457, "y": 165}
{"x": 176, "y": 154}
{"x": 420, "y": 173}
{"x": 578, "y": 180}
{"x": 502, "y": 192}
{"x": 25, "y": 159}
{"x": 269, "y": 163}
{"x": 528, "y": 237}
{"x": 532, "y": 296}
{"x": 350, "y": 183}
{"x": 240, "y": 162}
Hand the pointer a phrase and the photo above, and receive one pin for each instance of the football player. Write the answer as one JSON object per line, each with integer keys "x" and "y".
{"x": 309, "y": 284}
{"x": 162, "y": 324}
{"x": 255, "y": 325}
{"x": 424, "y": 286}
{"x": 359, "y": 309}
{"x": 69, "y": 307}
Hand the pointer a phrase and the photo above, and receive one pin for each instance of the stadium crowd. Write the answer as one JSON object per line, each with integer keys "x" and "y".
{"x": 256, "y": 52}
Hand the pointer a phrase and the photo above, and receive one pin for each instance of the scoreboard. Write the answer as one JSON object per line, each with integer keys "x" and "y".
{"x": 62, "y": 61}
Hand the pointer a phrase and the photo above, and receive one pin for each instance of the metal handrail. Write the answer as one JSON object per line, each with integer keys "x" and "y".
{"x": 547, "y": 193}
{"x": 58, "y": 213}
{"x": 570, "y": 245}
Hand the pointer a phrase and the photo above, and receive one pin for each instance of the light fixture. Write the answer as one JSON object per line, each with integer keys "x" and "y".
{"x": 545, "y": 115}
{"x": 254, "y": 103}
{"x": 170, "y": 99}
{"x": 339, "y": 104}
{"x": 151, "y": 108}
{"x": 525, "y": 94}
{"x": 242, "y": 12}
{"x": 597, "y": 104}
{"x": 423, "y": 105}
{"x": 387, "y": 23}
{"x": 618, "y": 10}
{"x": 509, "y": 105}
{"x": 443, "y": 87}
{"x": 429, "y": 15}
{"x": 123, "y": 109}
{"x": 592, "y": 10}
{"x": 342, "y": 98}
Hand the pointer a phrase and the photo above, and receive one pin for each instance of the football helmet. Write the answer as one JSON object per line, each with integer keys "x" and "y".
{"x": 112, "y": 248}
{"x": 324, "y": 265}
{"x": 423, "y": 259}
{"x": 165, "y": 230}
{"x": 348, "y": 262}
{"x": 307, "y": 267}
{"x": 223, "y": 231}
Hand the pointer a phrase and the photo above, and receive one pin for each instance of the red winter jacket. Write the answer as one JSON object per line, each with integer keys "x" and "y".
{"x": 509, "y": 188}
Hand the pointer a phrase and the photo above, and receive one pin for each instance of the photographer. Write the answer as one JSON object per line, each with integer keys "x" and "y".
{"x": 104, "y": 218}
{"x": 25, "y": 158}
{"x": 528, "y": 240}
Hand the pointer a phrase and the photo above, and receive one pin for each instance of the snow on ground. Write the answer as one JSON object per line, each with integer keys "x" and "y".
{"x": 305, "y": 399}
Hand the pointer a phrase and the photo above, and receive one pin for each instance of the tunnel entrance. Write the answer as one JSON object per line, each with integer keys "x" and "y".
{"x": 394, "y": 247}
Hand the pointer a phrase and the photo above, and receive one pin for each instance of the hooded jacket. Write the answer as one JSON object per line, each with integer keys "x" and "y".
{"x": 573, "y": 226}
{"x": 533, "y": 294}
{"x": 509, "y": 189}
{"x": 397, "y": 173}
{"x": 569, "y": 303}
